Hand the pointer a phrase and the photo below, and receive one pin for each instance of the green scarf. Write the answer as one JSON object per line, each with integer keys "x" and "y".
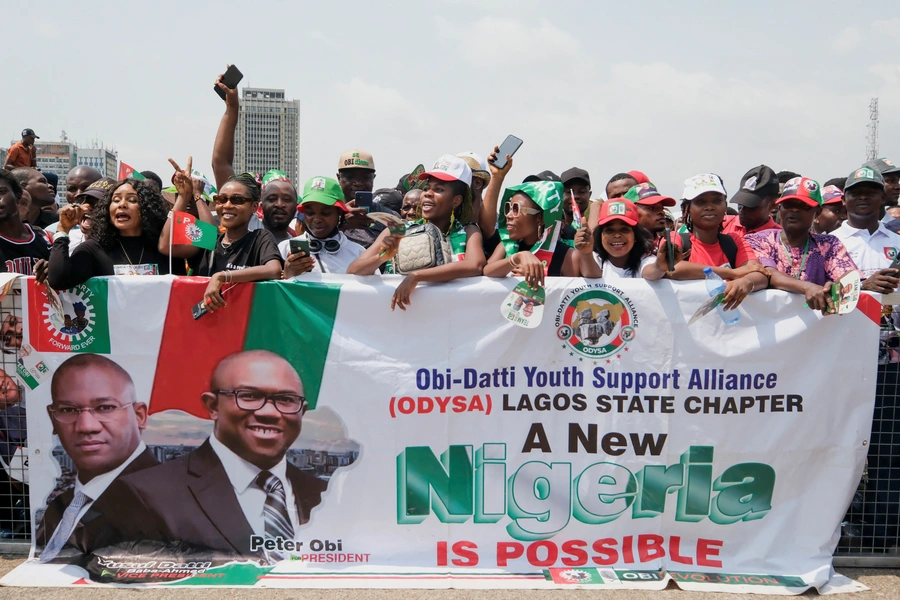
{"x": 548, "y": 195}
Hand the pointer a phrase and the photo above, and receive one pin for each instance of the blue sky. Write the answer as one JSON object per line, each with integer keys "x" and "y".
{"x": 673, "y": 89}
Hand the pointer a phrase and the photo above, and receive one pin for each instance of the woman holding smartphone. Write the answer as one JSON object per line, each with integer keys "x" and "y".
{"x": 322, "y": 248}
{"x": 447, "y": 205}
{"x": 241, "y": 255}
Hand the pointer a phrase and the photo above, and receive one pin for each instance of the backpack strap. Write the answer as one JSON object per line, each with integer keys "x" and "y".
{"x": 729, "y": 247}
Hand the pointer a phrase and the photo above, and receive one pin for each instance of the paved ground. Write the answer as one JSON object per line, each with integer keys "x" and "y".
{"x": 884, "y": 584}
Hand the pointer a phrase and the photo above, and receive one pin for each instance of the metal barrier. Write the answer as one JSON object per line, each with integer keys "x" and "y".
{"x": 870, "y": 533}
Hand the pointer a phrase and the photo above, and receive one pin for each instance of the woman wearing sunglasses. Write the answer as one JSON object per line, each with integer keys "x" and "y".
{"x": 529, "y": 224}
{"x": 446, "y": 204}
{"x": 324, "y": 212}
{"x": 241, "y": 255}
{"x": 125, "y": 234}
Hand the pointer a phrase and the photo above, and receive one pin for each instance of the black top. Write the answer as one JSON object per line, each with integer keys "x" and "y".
{"x": 253, "y": 250}
{"x": 19, "y": 256}
{"x": 90, "y": 259}
{"x": 489, "y": 244}
{"x": 554, "y": 269}
{"x": 47, "y": 218}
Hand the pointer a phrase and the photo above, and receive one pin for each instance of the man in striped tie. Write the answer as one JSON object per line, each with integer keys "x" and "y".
{"x": 235, "y": 496}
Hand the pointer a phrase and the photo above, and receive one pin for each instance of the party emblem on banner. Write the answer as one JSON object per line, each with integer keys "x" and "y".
{"x": 596, "y": 321}
{"x": 71, "y": 321}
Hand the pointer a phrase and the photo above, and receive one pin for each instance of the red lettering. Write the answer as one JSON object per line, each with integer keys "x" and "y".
{"x": 627, "y": 550}
{"x": 406, "y": 405}
{"x": 459, "y": 404}
{"x": 552, "y": 553}
{"x": 443, "y": 402}
{"x": 575, "y": 549}
{"x": 476, "y": 404}
{"x": 606, "y": 549}
{"x": 675, "y": 552}
{"x": 442, "y": 554}
{"x": 426, "y": 405}
{"x": 650, "y": 547}
{"x": 508, "y": 550}
{"x": 707, "y": 548}
{"x": 467, "y": 558}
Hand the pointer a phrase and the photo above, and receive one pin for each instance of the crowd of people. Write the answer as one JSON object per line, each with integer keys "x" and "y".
{"x": 780, "y": 230}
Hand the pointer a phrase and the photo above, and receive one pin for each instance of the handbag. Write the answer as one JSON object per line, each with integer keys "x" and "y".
{"x": 423, "y": 247}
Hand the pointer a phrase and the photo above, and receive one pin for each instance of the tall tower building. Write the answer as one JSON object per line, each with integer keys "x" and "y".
{"x": 268, "y": 133}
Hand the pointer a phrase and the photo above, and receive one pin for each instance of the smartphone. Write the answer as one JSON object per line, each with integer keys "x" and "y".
{"x": 299, "y": 246}
{"x": 509, "y": 146}
{"x": 670, "y": 249}
{"x": 198, "y": 310}
{"x": 895, "y": 264}
{"x": 231, "y": 78}
{"x": 364, "y": 200}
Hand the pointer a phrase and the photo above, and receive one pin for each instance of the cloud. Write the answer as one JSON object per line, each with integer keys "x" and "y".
{"x": 890, "y": 73}
{"x": 374, "y": 105}
{"x": 887, "y": 27}
{"x": 321, "y": 38}
{"x": 501, "y": 44}
{"x": 848, "y": 39}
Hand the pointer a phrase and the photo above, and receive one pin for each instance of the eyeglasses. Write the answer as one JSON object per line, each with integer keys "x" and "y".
{"x": 329, "y": 245}
{"x": 253, "y": 400}
{"x": 103, "y": 413}
{"x": 235, "y": 200}
{"x": 516, "y": 208}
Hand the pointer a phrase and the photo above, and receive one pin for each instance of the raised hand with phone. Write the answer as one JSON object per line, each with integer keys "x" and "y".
{"x": 499, "y": 163}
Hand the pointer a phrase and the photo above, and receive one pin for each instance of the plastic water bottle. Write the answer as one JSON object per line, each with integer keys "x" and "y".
{"x": 715, "y": 285}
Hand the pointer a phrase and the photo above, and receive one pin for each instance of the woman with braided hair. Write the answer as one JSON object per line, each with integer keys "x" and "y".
{"x": 241, "y": 255}
{"x": 704, "y": 244}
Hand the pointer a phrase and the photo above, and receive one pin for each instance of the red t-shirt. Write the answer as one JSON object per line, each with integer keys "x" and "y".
{"x": 733, "y": 225}
{"x": 712, "y": 255}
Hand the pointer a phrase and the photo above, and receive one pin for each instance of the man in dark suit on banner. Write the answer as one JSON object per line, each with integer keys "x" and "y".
{"x": 95, "y": 413}
{"x": 236, "y": 495}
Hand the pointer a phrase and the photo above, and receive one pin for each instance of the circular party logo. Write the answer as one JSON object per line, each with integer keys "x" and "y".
{"x": 596, "y": 321}
{"x": 69, "y": 315}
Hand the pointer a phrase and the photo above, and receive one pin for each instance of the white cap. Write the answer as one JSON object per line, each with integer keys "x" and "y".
{"x": 700, "y": 184}
{"x": 450, "y": 168}
{"x": 482, "y": 164}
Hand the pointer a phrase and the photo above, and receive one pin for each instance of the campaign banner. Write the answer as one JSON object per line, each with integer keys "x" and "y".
{"x": 307, "y": 436}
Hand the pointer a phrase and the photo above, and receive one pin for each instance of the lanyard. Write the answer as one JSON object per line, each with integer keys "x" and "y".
{"x": 791, "y": 257}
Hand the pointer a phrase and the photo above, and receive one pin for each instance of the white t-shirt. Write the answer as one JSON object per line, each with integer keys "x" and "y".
{"x": 334, "y": 262}
{"x": 870, "y": 251}
{"x": 611, "y": 271}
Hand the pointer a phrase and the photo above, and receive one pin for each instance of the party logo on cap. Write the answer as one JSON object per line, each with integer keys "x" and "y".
{"x": 617, "y": 208}
{"x": 596, "y": 321}
{"x": 864, "y": 173}
{"x": 318, "y": 183}
{"x": 887, "y": 162}
{"x": 750, "y": 184}
{"x": 810, "y": 185}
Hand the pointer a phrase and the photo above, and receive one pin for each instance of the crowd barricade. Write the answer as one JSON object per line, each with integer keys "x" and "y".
{"x": 869, "y": 532}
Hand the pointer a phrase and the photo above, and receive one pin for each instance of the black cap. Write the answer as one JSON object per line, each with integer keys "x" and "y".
{"x": 29, "y": 131}
{"x": 575, "y": 173}
{"x": 883, "y": 166}
{"x": 542, "y": 176}
{"x": 756, "y": 184}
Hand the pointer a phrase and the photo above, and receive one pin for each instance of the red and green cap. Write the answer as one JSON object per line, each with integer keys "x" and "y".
{"x": 832, "y": 194}
{"x": 323, "y": 190}
{"x": 804, "y": 189}
{"x": 647, "y": 194}
{"x": 618, "y": 208}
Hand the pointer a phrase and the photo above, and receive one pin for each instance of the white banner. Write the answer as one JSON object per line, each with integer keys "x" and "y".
{"x": 445, "y": 446}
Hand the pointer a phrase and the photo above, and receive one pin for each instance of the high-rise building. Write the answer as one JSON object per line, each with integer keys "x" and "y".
{"x": 268, "y": 133}
{"x": 105, "y": 161}
{"x": 56, "y": 157}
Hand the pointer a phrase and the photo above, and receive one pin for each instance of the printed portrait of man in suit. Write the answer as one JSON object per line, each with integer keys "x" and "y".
{"x": 96, "y": 415}
{"x": 237, "y": 491}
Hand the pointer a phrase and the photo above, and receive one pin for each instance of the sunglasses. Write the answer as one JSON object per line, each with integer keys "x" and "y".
{"x": 517, "y": 208}
{"x": 235, "y": 200}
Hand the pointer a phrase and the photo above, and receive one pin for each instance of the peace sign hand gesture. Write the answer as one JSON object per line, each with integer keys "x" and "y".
{"x": 182, "y": 180}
